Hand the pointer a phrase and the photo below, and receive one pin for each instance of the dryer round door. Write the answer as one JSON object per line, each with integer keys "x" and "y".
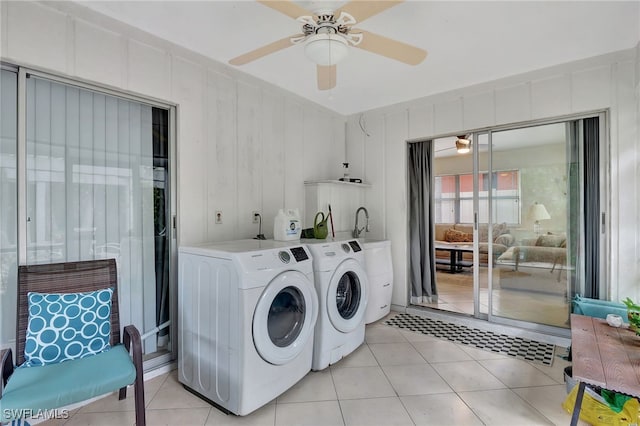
{"x": 285, "y": 317}
{"x": 347, "y": 296}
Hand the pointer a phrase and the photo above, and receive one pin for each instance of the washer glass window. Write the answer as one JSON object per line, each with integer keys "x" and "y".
{"x": 286, "y": 317}
{"x": 348, "y": 295}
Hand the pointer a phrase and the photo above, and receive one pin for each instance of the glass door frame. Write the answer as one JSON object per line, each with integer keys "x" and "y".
{"x": 604, "y": 235}
{"x": 23, "y": 72}
{"x": 475, "y": 136}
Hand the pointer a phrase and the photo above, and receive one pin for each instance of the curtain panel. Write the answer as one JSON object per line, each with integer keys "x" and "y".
{"x": 421, "y": 224}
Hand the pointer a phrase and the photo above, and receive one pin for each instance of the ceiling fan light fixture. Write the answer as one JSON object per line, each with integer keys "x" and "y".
{"x": 463, "y": 145}
{"x": 326, "y": 49}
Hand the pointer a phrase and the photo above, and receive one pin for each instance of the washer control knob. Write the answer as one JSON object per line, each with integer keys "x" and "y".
{"x": 346, "y": 248}
{"x": 284, "y": 257}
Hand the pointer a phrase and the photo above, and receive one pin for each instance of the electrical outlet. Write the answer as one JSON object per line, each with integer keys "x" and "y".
{"x": 218, "y": 216}
{"x": 256, "y": 216}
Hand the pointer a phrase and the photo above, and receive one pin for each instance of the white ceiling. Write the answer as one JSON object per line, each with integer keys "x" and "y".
{"x": 468, "y": 42}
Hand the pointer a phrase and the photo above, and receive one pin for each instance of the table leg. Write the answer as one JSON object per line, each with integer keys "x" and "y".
{"x": 452, "y": 261}
{"x": 576, "y": 408}
{"x": 460, "y": 260}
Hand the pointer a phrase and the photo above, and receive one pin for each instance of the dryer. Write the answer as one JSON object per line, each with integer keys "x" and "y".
{"x": 247, "y": 312}
{"x": 342, "y": 287}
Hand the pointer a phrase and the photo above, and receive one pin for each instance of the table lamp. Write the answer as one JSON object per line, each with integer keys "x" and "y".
{"x": 538, "y": 212}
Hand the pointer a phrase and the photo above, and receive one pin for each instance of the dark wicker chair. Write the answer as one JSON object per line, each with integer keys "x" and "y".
{"x": 73, "y": 277}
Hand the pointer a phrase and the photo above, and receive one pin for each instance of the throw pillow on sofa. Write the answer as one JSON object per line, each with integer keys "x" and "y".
{"x": 505, "y": 240}
{"x": 498, "y": 229}
{"x": 551, "y": 240}
{"x": 455, "y": 236}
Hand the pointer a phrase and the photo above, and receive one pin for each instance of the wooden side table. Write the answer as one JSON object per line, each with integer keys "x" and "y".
{"x": 603, "y": 356}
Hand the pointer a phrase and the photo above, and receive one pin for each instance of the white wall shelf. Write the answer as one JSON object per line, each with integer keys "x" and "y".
{"x": 344, "y": 197}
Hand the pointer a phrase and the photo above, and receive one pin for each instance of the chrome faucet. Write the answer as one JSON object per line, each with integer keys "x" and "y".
{"x": 356, "y": 232}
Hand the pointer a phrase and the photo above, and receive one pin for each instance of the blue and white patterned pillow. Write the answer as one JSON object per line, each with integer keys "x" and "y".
{"x": 66, "y": 326}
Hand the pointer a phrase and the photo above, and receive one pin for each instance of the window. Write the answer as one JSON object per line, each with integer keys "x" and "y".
{"x": 454, "y": 197}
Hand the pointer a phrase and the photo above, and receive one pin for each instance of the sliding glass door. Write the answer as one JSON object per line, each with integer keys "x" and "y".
{"x": 87, "y": 175}
{"x": 8, "y": 204}
{"x": 525, "y": 203}
{"x": 530, "y": 265}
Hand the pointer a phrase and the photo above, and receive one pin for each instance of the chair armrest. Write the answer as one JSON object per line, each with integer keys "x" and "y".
{"x": 6, "y": 369}
{"x": 133, "y": 343}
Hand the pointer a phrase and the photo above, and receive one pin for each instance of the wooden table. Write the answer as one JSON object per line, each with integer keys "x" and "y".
{"x": 604, "y": 356}
{"x": 455, "y": 261}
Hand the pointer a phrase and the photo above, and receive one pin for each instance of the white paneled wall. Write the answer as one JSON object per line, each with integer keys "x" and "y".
{"x": 141, "y": 58}
{"x": 374, "y": 155}
{"x": 396, "y": 124}
{"x": 603, "y": 83}
{"x": 45, "y": 30}
{"x": 243, "y": 145}
{"x": 551, "y": 96}
{"x": 99, "y": 54}
{"x": 296, "y": 164}
{"x": 477, "y": 110}
{"x": 448, "y": 116}
{"x": 625, "y": 185}
{"x": 273, "y": 164}
{"x": 421, "y": 121}
{"x": 222, "y": 187}
{"x": 512, "y": 103}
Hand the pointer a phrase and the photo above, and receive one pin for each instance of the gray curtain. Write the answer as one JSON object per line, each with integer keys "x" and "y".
{"x": 421, "y": 256}
{"x": 592, "y": 207}
{"x": 584, "y": 203}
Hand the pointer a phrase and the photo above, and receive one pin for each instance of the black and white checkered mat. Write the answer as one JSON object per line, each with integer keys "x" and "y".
{"x": 517, "y": 347}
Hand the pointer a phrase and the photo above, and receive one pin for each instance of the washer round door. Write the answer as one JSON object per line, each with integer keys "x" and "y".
{"x": 285, "y": 317}
{"x": 347, "y": 296}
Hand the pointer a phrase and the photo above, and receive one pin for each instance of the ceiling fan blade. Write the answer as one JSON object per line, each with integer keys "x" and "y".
{"x": 263, "y": 51}
{"x": 445, "y": 149}
{"x": 364, "y": 9}
{"x": 289, "y": 8}
{"x": 390, "y": 48}
{"x": 326, "y": 77}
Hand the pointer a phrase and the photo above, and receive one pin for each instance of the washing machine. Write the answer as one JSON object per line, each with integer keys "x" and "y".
{"x": 342, "y": 288}
{"x": 247, "y": 313}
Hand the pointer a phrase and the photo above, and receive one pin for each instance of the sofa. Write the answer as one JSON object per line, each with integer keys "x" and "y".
{"x": 534, "y": 265}
{"x": 462, "y": 233}
{"x": 547, "y": 250}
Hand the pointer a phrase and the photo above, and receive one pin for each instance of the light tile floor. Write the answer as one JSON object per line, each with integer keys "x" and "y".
{"x": 396, "y": 378}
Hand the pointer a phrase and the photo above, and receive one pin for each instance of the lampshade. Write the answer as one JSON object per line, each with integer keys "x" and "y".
{"x": 538, "y": 212}
{"x": 326, "y": 49}
{"x": 463, "y": 145}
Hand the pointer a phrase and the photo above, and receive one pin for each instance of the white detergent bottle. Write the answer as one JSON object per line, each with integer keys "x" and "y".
{"x": 286, "y": 226}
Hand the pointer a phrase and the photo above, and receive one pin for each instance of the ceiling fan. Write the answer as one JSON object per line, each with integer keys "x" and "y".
{"x": 329, "y": 34}
{"x": 463, "y": 144}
